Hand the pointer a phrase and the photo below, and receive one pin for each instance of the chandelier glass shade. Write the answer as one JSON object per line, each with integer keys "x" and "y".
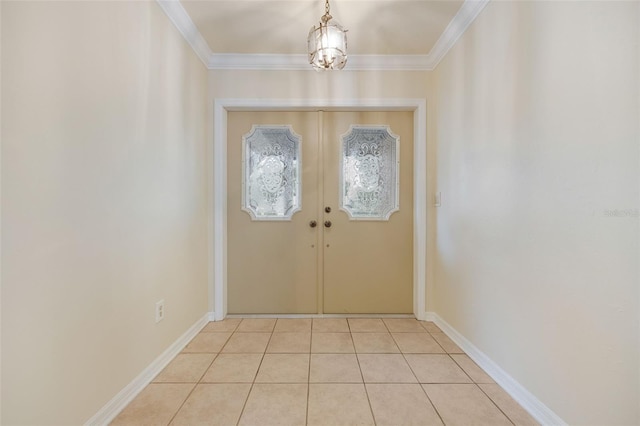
{"x": 327, "y": 43}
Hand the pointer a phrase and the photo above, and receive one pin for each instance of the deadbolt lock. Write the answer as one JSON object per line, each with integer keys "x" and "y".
{"x": 327, "y": 209}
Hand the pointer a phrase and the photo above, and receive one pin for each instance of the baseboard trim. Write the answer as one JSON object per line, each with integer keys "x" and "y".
{"x": 126, "y": 395}
{"x": 320, "y": 316}
{"x": 539, "y": 411}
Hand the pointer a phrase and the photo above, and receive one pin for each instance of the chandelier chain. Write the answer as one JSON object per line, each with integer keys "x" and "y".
{"x": 326, "y": 6}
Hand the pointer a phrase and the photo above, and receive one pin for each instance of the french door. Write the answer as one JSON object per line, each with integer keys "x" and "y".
{"x": 319, "y": 212}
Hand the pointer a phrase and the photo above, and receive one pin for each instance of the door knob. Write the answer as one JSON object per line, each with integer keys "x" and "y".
{"x": 313, "y": 224}
{"x": 327, "y": 223}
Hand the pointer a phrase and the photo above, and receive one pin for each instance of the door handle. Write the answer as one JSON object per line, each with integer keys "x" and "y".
{"x": 327, "y": 224}
{"x": 313, "y": 224}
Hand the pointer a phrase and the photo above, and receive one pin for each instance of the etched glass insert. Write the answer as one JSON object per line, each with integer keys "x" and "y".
{"x": 271, "y": 177}
{"x": 369, "y": 184}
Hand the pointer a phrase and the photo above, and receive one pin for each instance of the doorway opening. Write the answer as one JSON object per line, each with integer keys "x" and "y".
{"x": 219, "y": 220}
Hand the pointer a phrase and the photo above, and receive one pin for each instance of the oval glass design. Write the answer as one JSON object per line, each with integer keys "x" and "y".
{"x": 271, "y": 172}
{"x": 369, "y": 169}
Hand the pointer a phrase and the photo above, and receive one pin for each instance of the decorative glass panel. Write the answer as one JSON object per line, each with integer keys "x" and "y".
{"x": 271, "y": 177}
{"x": 369, "y": 183}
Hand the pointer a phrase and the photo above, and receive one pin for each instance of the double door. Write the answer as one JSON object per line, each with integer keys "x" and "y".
{"x": 320, "y": 212}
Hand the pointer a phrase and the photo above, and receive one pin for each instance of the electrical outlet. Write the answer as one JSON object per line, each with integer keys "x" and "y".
{"x": 159, "y": 310}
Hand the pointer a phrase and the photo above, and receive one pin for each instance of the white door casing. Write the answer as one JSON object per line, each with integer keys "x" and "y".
{"x": 218, "y": 176}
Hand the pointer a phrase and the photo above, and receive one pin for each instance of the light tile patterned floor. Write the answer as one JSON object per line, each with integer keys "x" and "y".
{"x": 326, "y": 372}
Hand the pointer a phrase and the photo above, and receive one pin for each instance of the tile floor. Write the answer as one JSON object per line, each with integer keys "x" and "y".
{"x": 328, "y": 372}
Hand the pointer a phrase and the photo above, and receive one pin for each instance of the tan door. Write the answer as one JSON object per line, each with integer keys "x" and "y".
{"x": 368, "y": 265}
{"x": 272, "y": 264}
{"x": 287, "y": 266}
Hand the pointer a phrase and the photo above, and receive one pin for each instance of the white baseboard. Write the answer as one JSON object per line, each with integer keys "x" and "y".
{"x": 543, "y": 414}
{"x": 421, "y": 316}
{"x": 320, "y": 316}
{"x": 126, "y": 395}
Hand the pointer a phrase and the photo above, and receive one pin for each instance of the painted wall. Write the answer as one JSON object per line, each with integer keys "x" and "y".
{"x": 104, "y": 192}
{"x": 317, "y": 85}
{"x": 538, "y": 163}
{"x": 332, "y": 86}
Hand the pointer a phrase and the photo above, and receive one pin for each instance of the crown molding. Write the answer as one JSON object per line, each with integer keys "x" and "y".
{"x": 468, "y": 12}
{"x": 182, "y": 21}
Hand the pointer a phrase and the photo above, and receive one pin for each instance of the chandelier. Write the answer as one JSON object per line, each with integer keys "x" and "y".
{"x": 327, "y": 43}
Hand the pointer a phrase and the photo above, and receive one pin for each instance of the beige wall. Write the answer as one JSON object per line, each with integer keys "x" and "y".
{"x": 317, "y": 85}
{"x": 335, "y": 86}
{"x": 103, "y": 201}
{"x": 537, "y": 144}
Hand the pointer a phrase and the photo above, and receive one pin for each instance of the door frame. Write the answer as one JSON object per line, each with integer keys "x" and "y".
{"x": 217, "y": 162}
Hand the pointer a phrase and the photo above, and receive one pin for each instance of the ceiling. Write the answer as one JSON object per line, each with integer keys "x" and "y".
{"x": 376, "y": 27}
{"x": 272, "y": 34}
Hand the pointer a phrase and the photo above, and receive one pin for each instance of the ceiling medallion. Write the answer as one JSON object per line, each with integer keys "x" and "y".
{"x": 327, "y": 43}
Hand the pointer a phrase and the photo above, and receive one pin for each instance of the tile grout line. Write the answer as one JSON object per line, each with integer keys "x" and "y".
{"x": 306, "y": 418}
{"x": 462, "y": 369}
{"x": 366, "y": 392}
{"x": 467, "y": 374}
{"x": 494, "y": 403}
{"x": 199, "y": 380}
{"x": 432, "y": 404}
{"x": 476, "y": 383}
{"x": 416, "y": 376}
{"x": 422, "y": 385}
{"x": 244, "y": 406}
{"x": 306, "y": 422}
{"x": 364, "y": 384}
{"x": 195, "y": 385}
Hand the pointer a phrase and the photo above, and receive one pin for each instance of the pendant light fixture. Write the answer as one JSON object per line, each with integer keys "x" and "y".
{"x": 327, "y": 43}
